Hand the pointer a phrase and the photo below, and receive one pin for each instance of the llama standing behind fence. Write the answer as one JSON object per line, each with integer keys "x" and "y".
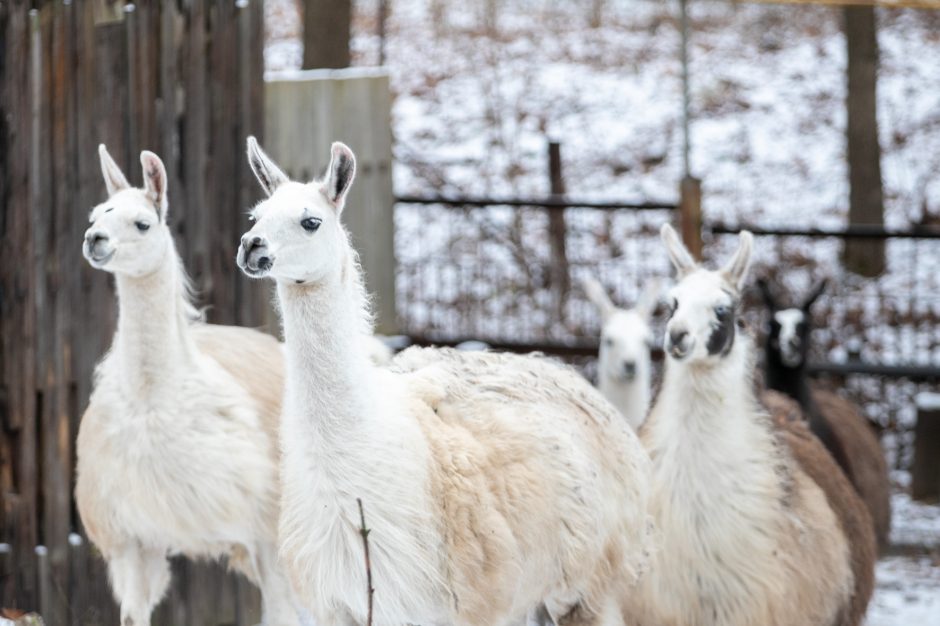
{"x": 759, "y": 525}
{"x": 491, "y": 483}
{"x": 839, "y": 424}
{"x": 177, "y": 451}
{"x": 624, "y": 368}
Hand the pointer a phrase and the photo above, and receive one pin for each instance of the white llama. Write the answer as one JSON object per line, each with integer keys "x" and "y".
{"x": 624, "y": 368}
{"x": 490, "y": 482}
{"x": 177, "y": 451}
{"x": 759, "y": 526}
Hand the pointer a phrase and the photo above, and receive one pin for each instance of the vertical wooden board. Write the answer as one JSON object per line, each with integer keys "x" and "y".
{"x": 56, "y": 435}
{"x": 254, "y": 300}
{"x": 95, "y": 308}
{"x": 19, "y": 322}
{"x": 168, "y": 104}
{"x": 222, "y": 210}
{"x": 195, "y": 144}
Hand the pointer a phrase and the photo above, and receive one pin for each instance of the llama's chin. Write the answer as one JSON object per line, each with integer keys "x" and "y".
{"x": 255, "y": 273}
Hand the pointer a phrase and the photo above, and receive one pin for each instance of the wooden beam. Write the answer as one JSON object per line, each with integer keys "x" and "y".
{"x": 889, "y": 4}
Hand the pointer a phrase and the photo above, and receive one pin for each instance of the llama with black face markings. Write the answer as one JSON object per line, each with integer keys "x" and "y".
{"x": 177, "y": 451}
{"x": 758, "y": 524}
{"x": 837, "y": 422}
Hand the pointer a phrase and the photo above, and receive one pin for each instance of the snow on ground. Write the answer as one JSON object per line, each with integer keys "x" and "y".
{"x": 477, "y": 97}
{"x": 907, "y": 592}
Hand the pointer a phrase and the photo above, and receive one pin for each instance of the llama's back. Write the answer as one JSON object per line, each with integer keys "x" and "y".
{"x": 255, "y": 360}
{"x": 854, "y": 519}
{"x": 563, "y": 478}
{"x": 867, "y": 468}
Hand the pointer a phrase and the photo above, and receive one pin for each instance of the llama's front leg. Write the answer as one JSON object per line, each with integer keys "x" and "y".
{"x": 279, "y": 606}
{"x": 139, "y": 578}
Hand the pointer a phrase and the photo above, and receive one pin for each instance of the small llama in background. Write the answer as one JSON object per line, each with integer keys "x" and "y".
{"x": 624, "y": 368}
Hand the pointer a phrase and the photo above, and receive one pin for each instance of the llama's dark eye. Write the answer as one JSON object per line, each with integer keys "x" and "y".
{"x": 142, "y": 226}
{"x": 722, "y": 312}
{"x": 311, "y": 224}
{"x": 608, "y": 342}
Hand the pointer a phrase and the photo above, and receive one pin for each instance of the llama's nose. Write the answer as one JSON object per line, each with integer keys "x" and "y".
{"x": 629, "y": 370}
{"x": 94, "y": 238}
{"x": 679, "y": 344}
{"x": 254, "y": 254}
{"x": 249, "y": 242}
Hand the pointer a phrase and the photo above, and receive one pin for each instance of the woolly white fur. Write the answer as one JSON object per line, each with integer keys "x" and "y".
{"x": 490, "y": 483}
{"x": 173, "y": 457}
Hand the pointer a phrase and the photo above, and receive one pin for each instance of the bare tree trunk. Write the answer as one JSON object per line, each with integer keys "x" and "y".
{"x": 866, "y": 202}
{"x": 327, "y": 26}
{"x": 596, "y": 17}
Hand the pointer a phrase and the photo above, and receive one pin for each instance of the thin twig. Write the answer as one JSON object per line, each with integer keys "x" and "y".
{"x": 364, "y": 532}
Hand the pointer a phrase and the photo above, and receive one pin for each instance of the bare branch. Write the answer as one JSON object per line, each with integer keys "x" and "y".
{"x": 364, "y": 532}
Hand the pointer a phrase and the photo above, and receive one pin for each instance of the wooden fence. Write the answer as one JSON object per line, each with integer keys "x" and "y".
{"x": 183, "y": 79}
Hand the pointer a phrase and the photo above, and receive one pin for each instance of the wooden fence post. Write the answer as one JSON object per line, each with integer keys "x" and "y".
{"x": 690, "y": 215}
{"x": 557, "y": 233}
{"x": 925, "y": 469}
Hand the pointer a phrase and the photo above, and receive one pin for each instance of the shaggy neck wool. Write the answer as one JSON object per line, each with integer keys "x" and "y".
{"x": 789, "y": 380}
{"x": 152, "y": 342}
{"x": 698, "y": 393}
{"x": 632, "y": 398}
{"x": 326, "y": 325}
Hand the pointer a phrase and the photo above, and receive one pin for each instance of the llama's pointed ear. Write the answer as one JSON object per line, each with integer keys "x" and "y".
{"x": 649, "y": 298}
{"x": 154, "y": 181}
{"x": 678, "y": 254}
{"x": 735, "y": 270}
{"x": 767, "y": 294}
{"x": 114, "y": 178}
{"x": 340, "y": 175}
{"x": 817, "y": 291}
{"x": 598, "y": 296}
{"x": 266, "y": 171}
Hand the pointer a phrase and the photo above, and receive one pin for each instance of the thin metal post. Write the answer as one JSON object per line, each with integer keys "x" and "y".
{"x": 686, "y": 141}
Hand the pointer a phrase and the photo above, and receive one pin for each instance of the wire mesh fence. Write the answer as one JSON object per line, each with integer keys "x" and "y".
{"x": 483, "y": 272}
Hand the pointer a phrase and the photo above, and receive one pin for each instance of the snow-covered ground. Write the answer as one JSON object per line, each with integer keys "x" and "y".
{"x": 477, "y": 96}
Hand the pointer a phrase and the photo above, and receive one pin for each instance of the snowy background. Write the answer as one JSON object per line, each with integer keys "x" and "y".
{"x": 478, "y": 93}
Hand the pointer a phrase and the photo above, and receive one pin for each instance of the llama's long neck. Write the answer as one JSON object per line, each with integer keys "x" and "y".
{"x": 632, "y": 398}
{"x": 792, "y": 381}
{"x": 329, "y": 375}
{"x": 716, "y": 460}
{"x": 707, "y": 414}
{"x": 152, "y": 342}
